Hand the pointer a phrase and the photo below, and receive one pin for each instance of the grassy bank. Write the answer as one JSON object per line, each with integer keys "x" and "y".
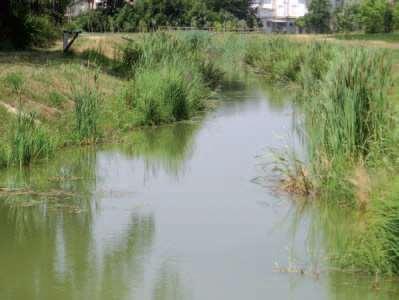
{"x": 109, "y": 84}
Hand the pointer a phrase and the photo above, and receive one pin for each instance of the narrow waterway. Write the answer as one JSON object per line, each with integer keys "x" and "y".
{"x": 173, "y": 214}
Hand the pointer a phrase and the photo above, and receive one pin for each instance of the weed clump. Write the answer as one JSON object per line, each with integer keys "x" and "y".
{"x": 87, "y": 105}
{"x": 165, "y": 95}
{"x": 28, "y": 141}
{"x": 277, "y": 58}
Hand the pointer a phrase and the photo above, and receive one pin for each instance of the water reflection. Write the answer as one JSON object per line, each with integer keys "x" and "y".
{"x": 60, "y": 238}
{"x": 168, "y": 284}
{"x": 166, "y": 148}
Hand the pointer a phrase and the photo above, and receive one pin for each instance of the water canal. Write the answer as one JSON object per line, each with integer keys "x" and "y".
{"x": 175, "y": 214}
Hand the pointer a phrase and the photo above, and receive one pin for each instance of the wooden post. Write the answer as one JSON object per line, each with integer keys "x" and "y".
{"x": 67, "y": 41}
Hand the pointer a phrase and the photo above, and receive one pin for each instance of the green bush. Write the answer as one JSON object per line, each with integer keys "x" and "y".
{"x": 94, "y": 21}
{"x": 377, "y": 16}
{"x": 348, "y": 18}
{"x": 132, "y": 54}
{"x": 42, "y": 31}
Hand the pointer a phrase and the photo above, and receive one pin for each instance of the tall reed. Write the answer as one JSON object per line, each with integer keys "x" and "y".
{"x": 169, "y": 93}
{"x": 87, "y": 106}
{"x": 275, "y": 57}
{"x": 350, "y": 115}
{"x": 29, "y": 141}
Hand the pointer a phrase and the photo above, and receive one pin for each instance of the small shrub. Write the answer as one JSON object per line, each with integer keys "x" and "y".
{"x": 132, "y": 53}
{"x": 377, "y": 16}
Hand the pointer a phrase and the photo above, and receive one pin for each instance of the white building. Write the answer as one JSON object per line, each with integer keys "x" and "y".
{"x": 279, "y": 15}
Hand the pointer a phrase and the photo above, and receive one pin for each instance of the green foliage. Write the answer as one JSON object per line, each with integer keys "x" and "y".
{"x": 377, "y": 16}
{"x": 315, "y": 65}
{"x": 395, "y": 16}
{"x": 3, "y": 155}
{"x": 87, "y": 106}
{"x": 149, "y": 15}
{"x": 347, "y": 119}
{"x": 25, "y": 24}
{"x": 348, "y": 18}
{"x": 40, "y": 31}
{"x": 164, "y": 95}
{"x": 28, "y": 141}
{"x": 15, "y": 82}
{"x": 278, "y": 58}
{"x": 132, "y": 54}
{"x": 94, "y": 21}
{"x": 318, "y": 17}
{"x": 55, "y": 98}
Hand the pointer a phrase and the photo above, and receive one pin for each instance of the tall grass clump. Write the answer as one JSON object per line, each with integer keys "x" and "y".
{"x": 131, "y": 56}
{"x": 15, "y": 81}
{"x": 316, "y": 63}
{"x": 3, "y": 155}
{"x": 228, "y": 53}
{"x": 279, "y": 59}
{"x": 28, "y": 141}
{"x": 348, "y": 121}
{"x": 166, "y": 94}
{"x": 194, "y": 49}
{"x": 87, "y": 110}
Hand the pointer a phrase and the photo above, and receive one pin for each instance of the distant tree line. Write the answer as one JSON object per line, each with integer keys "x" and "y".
{"x": 146, "y": 15}
{"x": 26, "y": 23}
{"x": 370, "y": 16}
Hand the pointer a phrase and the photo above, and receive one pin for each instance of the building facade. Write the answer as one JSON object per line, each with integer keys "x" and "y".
{"x": 279, "y": 15}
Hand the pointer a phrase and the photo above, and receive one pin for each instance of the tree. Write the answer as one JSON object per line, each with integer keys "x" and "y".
{"x": 347, "y": 18}
{"x": 377, "y": 16}
{"x": 26, "y": 22}
{"x": 319, "y": 16}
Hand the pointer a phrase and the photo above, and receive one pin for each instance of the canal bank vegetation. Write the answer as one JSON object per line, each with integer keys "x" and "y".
{"x": 347, "y": 95}
{"x": 108, "y": 85}
{"x": 111, "y": 85}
